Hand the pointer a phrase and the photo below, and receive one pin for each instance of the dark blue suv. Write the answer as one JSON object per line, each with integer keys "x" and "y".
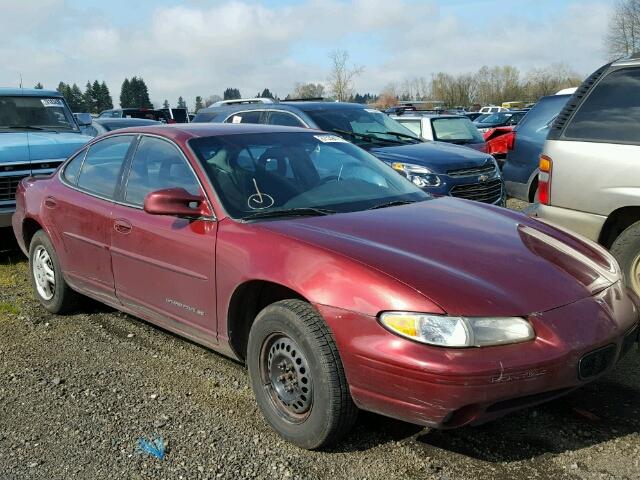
{"x": 520, "y": 170}
{"x": 438, "y": 168}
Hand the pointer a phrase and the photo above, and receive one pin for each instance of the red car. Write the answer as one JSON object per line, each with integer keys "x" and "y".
{"x": 339, "y": 283}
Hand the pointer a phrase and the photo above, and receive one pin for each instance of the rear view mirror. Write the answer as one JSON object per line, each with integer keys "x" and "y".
{"x": 83, "y": 119}
{"x": 177, "y": 202}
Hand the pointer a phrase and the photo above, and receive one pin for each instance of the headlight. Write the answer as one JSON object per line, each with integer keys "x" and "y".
{"x": 444, "y": 331}
{"x": 417, "y": 174}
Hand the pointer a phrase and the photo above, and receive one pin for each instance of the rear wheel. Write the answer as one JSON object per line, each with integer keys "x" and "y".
{"x": 626, "y": 249}
{"x": 297, "y": 375}
{"x": 46, "y": 276}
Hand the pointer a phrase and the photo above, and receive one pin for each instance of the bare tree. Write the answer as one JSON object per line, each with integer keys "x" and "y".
{"x": 342, "y": 75}
{"x": 623, "y": 37}
{"x": 308, "y": 90}
{"x": 211, "y": 99}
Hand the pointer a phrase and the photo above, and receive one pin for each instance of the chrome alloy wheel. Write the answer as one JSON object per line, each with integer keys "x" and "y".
{"x": 43, "y": 273}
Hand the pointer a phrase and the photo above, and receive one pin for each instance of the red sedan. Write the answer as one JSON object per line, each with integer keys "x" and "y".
{"x": 339, "y": 283}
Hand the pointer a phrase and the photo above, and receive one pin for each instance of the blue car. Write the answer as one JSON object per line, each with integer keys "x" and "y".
{"x": 37, "y": 133}
{"x": 520, "y": 171}
{"x": 438, "y": 168}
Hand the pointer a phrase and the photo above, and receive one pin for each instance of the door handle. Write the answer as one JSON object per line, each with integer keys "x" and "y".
{"x": 122, "y": 226}
{"x": 50, "y": 202}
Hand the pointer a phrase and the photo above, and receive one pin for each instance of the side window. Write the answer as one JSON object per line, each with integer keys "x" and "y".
{"x": 71, "y": 170}
{"x": 158, "y": 164}
{"x": 611, "y": 113}
{"x": 413, "y": 125}
{"x": 245, "y": 117}
{"x": 101, "y": 167}
{"x": 284, "y": 119}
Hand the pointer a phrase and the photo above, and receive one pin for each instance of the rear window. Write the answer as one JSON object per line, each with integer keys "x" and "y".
{"x": 543, "y": 113}
{"x": 611, "y": 112}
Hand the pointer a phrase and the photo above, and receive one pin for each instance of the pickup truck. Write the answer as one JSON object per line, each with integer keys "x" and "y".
{"x": 37, "y": 133}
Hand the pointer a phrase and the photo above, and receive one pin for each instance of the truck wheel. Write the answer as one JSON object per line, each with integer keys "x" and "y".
{"x": 626, "y": 249}
{"x": 297, "y": 375}
{"x": 46, "y": 276}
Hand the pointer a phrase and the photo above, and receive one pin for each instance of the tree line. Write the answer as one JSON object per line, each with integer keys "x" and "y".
{"x": 94, "y": 99}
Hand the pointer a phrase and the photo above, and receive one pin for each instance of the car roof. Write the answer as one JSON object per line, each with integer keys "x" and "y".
{"x": 128, "y": 121}
{"x": 186, "y": 131}
{"x": 632, "y": 60}
{"x": 304, "y": 106}
{"x": 28, "y": 92}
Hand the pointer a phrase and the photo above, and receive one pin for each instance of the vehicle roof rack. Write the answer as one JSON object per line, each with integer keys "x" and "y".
{"x": 239, "y": 101}
{"x": 309, "y": 99}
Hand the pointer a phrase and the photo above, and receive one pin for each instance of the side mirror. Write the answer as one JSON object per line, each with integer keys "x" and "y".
{"x": 83, "y": 119}
{"x": 176, "y": 202}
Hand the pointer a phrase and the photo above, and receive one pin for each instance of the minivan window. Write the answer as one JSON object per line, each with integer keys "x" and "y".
{"x": 611, "y": 113}
{"x": 102, "y": 164}
{"x": 245, "y": 117}
{"x": 157, "y": 164}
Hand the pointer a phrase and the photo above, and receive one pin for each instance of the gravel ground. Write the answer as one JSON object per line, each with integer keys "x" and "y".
{"x": 78, "y": 391}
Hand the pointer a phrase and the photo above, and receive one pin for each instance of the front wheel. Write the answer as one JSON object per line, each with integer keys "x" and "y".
{"x": 46, "y": 276}
{"x": 626, "y": 249}
{"x": 297, "y": 375}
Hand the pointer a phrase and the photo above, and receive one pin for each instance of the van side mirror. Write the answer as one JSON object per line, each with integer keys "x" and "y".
{"x": 176, "y": 202}
{"x": 83, "y": 119}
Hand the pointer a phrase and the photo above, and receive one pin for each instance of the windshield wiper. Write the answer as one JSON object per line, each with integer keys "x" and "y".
{"x": 393, "y": 203}
{"x": 291, "y": 212}
{"x": 364, "y": 136}
{"x": 397, "y": 134}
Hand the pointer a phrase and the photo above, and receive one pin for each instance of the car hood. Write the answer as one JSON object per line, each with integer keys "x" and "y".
{"x": 25, "y": 146}
{"x": 439, "y": 157}
{"x": 467, "y": 257}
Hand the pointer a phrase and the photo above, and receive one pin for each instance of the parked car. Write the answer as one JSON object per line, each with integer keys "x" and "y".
{"x": 474, "y": 115}
{"x": 167, "y": 115}
{"x": 589, "y": 179}
{"x": 493, "y": 109}
{"x": 444, "y": 128}
{"x": 37, "y": 133}
{"x": 524, "y": 146}
{"x": 103, "y": 125}
{"x": 399, "y": 110}
{"x": 438, "y": 168}
{"x": 341, "y": 285}
{"x": 500, "y": 119}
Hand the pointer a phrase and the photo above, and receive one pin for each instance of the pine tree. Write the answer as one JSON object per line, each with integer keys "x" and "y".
{"x": 181, "y": 102}
{"x": 266, "y": 94}
{"x": 199, "y": 104}
{"x": 105, "y": 95}
{"x": 89, "y": 100}
{"x": 165, "y": 104}
{"x": 76, "y": 99}
{"x": 231, "y": 94}
{"x": 39, "y": 86}
{"x": 125, "y": 94}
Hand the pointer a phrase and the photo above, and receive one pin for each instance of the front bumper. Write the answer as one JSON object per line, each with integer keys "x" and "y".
{"x": 447, "y": 388}
{"x": 586, "y": 224}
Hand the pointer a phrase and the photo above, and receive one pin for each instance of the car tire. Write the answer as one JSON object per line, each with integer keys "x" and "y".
{"x": 626, "y": 249}
{"x": 297, "y": 375}
{"x": 46, "y": 276}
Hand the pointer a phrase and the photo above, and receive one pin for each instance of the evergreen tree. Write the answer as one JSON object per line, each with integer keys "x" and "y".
{"x": 266, "y": 94}
{"x": 231, "y": 94}
{"x": 75, "y": 99}
{"x": 165, "y": 104}
{"x": 199, "y": 104}
{"x": 181, "y": 102}
{"x": 89, "y": 100}
{"x": 139, "y": 93}
{"x": 126, "y": 99}
{"x": 105, "y": 95}
{"x": 39, "y": 86}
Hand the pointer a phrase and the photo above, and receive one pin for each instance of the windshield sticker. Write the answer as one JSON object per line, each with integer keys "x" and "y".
{"x": 51, "y": 102}
{"x": 330, "y": 139}
{"x": 236, "y": 119}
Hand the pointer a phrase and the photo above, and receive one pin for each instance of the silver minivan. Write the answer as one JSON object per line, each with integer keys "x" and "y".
{"x": 589, "y": 179}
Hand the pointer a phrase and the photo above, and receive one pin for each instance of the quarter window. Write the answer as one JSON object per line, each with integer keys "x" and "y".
{"x": 245, "y": 117}
{"x": 611, "y": 113}
{"x": 101, "y": 168}
{"x": 72, "y": 168}
{"x": 284, "y": 119}
{"x": 156, "y": 165}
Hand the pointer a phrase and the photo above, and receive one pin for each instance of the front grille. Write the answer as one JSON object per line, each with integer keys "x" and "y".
{"x": 596, "y": 362}
{"x": 487, "y": 169}
{"x": 8, "y": 186}
{"x": 487, "y": 192}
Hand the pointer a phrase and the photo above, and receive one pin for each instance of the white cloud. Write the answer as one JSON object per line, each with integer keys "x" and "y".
{"x": 198, "y": 49}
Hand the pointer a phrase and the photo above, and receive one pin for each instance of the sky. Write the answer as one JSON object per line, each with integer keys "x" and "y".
{"x": 197, "y": 47}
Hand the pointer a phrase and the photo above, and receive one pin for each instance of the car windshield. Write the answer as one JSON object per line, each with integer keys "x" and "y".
{"x": 273, "y": 174}
{"x": 497, "y": 118}
{"x": 455, "y": 130}
{"x": 363, "y": 126}
{"x": 38, "y": 113}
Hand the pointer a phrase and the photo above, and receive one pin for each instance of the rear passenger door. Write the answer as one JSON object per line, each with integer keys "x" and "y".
{"x": 164, "y": 266}
{"x": 599, "y": 147}
{"x": 252, "y": 116}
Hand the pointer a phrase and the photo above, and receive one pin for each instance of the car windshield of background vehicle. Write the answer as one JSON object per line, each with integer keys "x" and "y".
{"x": 497, "y": 118}
{"x": 611, "y": 113}
{"x": 368, "y": 125}
{"x": 298, "y": 172}
{"x": 35, "y": 113}
{"x": 455, "y": 130}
